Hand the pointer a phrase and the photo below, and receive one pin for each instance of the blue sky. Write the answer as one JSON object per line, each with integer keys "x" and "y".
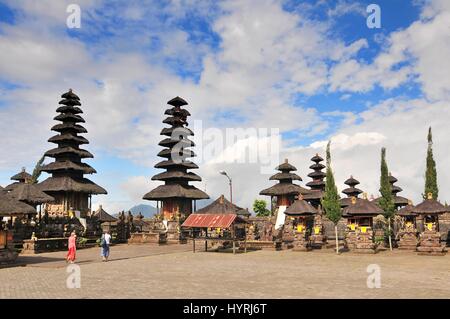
{"x": 313, "y": 69}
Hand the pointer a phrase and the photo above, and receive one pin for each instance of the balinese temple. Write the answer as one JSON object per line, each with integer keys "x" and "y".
{"x": 428, "y": 216}
{"x": 71, "y": 190}
{"x": 223, "y": 206}
{"x": 398, "y": 200}
{"x": 177, "y": 196}
{"x": 285, "y": 190}
{"x": 407, "y": 228}
{"x": 350, "y": 191}
{"x": 20, "y": 178}
{"x": 299, "y": 224}
{"x": 359, "y": 214}
{"x": 317, "y": 185}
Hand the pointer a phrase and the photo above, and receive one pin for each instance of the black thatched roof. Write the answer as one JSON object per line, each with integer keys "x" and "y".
{"x": 352, "y": 182}
{"x": 406, "y": 211}
{"x": 284, "y": 189}
{"x": 71, "y": 184}
{"x": 314, "y": 194}
{"x": 285, "y": 186}
{"x": 177, "y": 102}
{"x": 176, "y": 177}
{"x": 285, "y": 167}
{"x": 67, "y": 170}
{"x": 102, "y": 216}
{"x": 351, "y": 191}
{"x": 430, "y": 206}
{"x": 171, "y": 163}
{"x": 175, "y": 191}
{"x": 11, "y": 186}
{"x": 30, "y": 194}
{"x": 361, "y": 207}
{"x": 285, "y": 176}
{"x": 9, "y": 206}
{"x": 222, "y": 206}
{"x": 22, "y": 176}
{"x": 300, "y": 207}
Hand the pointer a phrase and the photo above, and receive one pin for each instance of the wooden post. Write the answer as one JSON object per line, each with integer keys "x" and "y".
{"x": 245, "y": 244}
{"x": 206, "y": 240}
{"x": 234, "y": 239}
{"x": 193, "y": 238}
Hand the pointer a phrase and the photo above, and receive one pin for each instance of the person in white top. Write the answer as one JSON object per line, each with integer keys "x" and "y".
{"x": 105, "y": 241}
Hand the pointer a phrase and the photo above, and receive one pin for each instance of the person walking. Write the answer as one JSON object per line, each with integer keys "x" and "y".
{"x": 70, "y": 258}
{"x": 105, "y": 242}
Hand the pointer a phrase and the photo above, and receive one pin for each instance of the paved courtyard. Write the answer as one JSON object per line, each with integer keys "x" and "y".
{"x": 145, "y": 271}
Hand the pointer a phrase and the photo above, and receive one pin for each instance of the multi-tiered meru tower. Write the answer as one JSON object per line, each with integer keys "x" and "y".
{"x": 176, "y": 195}
{"x": 72, "y": 192}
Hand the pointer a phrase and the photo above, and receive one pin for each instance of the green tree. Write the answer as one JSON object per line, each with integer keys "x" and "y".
{"x": 37, "y": 170}
{"x": 430, "y": 172}
{"x": 259, "y": 207}
{"x": 386, "y": 200}
{"x": 330, "y": 201}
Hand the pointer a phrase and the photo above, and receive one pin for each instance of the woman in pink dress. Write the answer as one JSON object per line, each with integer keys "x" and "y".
{"x": 72, "y": 248}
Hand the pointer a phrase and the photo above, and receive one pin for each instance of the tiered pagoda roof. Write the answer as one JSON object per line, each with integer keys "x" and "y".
{"x": 350, "y": 191}
{"x": 19, "y": 178}
{"x": 176, "y": 178}
{"x": 285, "y": 185}
{"x": 317, "y": 185}
{"x": 398, "y": 200}
{"x": 68, "y": 169}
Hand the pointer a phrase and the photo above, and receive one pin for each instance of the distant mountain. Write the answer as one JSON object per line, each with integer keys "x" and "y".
{"x": 146, "y": 210}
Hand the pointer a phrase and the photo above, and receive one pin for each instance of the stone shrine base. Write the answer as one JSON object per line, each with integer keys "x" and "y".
{"x": 147, "y": 238}
{"x": 7, "y": 256}
{"x": 261, "y": 245}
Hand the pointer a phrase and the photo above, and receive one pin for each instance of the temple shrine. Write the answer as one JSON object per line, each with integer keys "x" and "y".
{"x": 430, "y": 238}
{"x": 360, "y": 213}
{"x": 12, "y": 213}
{"x": 72, "y": 192}
{"x": 407, "y": 228}
{"x": 177, "y": 197}
{"x": 299, "y": 225}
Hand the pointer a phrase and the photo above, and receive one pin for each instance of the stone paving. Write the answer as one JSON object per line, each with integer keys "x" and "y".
{"x": 145, "y": 271}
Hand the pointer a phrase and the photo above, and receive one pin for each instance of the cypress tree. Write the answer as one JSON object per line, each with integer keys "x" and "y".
{"x": 330, "y": 201}
{"x": 430, "y": 172}
{"x": 386, "y": 201}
